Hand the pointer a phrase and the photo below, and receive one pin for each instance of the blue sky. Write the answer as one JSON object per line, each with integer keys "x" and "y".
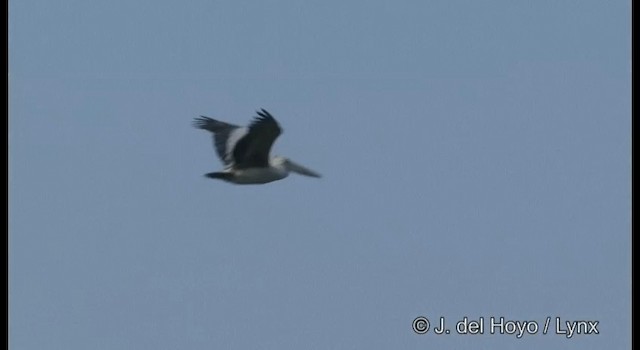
{"x": 476, "y": 162}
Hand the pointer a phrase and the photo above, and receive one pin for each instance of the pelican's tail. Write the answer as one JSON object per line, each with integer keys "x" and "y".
{"x": 220, "y": 175}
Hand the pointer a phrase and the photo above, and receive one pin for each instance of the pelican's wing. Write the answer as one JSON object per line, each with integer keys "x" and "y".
{"x": 252, "y": 150}
{"x": 225, "y": 136}
{"x": 297, "y": 168}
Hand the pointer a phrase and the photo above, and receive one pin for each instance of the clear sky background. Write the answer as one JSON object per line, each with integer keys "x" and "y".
{"x": 475, "y": 154}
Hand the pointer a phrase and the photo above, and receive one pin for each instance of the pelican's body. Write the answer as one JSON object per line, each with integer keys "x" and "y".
{"x": 245, "y": 151}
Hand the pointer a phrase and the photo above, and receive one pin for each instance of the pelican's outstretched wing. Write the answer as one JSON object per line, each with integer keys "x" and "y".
{"x": 225, "y": 136}
{"x": 252, "y": 149}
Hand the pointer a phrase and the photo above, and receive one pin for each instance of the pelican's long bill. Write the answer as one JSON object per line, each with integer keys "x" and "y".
{"x": 300, "y": 169}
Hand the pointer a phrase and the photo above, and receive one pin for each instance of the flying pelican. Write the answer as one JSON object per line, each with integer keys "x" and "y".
{"x": 245, "y": 151}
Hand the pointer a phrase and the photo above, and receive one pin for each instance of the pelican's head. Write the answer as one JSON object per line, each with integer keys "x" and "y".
{"x": 287, "y": 164}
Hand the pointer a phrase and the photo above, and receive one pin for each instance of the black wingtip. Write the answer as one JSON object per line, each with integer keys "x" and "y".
{"x": 201, "y": 122}
{"x": 263, "y": 113}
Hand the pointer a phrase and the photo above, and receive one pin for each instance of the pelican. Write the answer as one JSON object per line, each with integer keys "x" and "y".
{"x": 244, "y": 151}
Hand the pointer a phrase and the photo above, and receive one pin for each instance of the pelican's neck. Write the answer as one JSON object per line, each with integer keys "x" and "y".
{"x": 280, "y": 164}
{"x": 277, "y": 161}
